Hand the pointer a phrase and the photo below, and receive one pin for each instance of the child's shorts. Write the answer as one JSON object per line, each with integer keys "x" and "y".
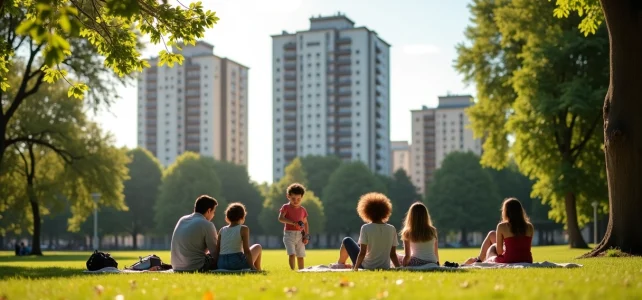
{"x": 293, "y": 241}
{"x": 233, "y": 261}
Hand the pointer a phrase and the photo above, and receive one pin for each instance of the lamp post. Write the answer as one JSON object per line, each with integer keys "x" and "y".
{"x": 594, "y": 204}
{"x": 96, "y": 197}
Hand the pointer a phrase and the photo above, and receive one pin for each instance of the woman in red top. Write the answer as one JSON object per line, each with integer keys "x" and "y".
{"x": 511, "y": 242}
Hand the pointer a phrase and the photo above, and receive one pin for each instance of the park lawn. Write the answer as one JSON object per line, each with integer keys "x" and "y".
{"x": 58, "y": 275}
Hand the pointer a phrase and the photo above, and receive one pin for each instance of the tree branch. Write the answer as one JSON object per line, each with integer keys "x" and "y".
{"x": 24, "y": 159}
{"x": 32, "y": 167}
{"x": 587, "y": 136}
{"x": 67, "y": 156}
{"x": 22, "y": 93}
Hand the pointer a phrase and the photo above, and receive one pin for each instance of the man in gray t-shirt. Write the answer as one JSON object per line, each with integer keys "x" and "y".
{"x": 193, "y": 235}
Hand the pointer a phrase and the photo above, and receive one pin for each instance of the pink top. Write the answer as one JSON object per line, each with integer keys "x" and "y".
{"x": 294, "y": 214}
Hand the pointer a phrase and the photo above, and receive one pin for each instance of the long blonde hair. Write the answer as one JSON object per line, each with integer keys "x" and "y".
{"x": 417, "y": 224}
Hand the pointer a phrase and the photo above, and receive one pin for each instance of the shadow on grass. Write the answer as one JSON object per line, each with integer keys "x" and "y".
{"x": 62, "y": 258}
{"x": 7, "y": 272}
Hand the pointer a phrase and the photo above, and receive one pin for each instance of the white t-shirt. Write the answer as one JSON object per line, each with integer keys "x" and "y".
{"x": 380, "y": 238}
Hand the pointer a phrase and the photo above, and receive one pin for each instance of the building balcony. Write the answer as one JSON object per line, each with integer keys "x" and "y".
{"x": 344, "y": 40}
{"x": 345, "y": 81}
{"x": 290, "y": 116}
{"x": 345, "y": 122}
{"x": 290, "y": 125}
{"x": 289, "y": 76}
{"x": 344, "y": 71}
{"x": 289, "y": 66}
{"x": 289, "y": 105}
{"x": 345, "y": 92}
{"x": 343, "y": 51}
{"x": 344, "y": 143}
{"x": 344, "y": 112}
{"x": 289, "y": 155}
{"x": 289, "y": 95}
{"x": 343, "y": 102}
{"x": 290, "y": 146}
{"x": 344, "y": 132}
{"x": 289, "y": 56}
{"x": 289, "y": 86}
{"x": 290, "y": 134}
{"x": 343, "y": 61}
{"x": 289, "y": 46}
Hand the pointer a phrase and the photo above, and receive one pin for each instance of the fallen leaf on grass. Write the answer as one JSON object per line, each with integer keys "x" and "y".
{"x": 383, "y": 294}
{"x": 119, "y": 297}
{"x": 208, "y": 296}
{"x": 290, "y": 291}
{"x": 399, "y": 281}
{"x": 3, "y": 297}
{"x": 465, "y": 284}
{"x": 346, "y": 283}
{"x": 99, "y": 289}
{"x": 132, "y": 284}
{"x": 499, "y": 287}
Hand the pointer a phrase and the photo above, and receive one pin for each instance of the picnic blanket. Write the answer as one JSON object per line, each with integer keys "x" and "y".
{"x": 116, "y": 270}
{"x": 435, "y": 267}
{"x": 544, "y": 264}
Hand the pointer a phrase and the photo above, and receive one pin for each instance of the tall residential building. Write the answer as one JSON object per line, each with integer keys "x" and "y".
{"x": 400, "y": 156}
{"x": 331, "y": 94}
{"x": 437, "y": 132}
{"x": 200, "y": 106}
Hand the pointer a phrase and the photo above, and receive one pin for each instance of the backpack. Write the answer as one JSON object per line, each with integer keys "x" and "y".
{"x": 148, "y": 262}
{"x": 99, "y": 260}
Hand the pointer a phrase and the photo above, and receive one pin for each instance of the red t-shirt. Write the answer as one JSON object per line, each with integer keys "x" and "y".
{"x": 294, "y": 214}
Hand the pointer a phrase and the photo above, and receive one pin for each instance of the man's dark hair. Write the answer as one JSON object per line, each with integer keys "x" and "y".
{"x": 295, "y": 189}
{"x": 203, "y": 203}
{"x": 235, "y": 211}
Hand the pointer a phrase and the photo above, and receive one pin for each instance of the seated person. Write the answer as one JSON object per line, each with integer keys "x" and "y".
{"x": 194, "y": 238}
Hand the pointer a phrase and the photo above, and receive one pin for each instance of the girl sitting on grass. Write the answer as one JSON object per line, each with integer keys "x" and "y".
{"x": 377, "y": 240}
{"x": 511, "y": 242}
{"x": 419, "y": 238}
{"x": 232, "y": 250}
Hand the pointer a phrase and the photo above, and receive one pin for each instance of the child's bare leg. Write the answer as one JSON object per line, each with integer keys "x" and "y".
{"x": 343, "y": 255}
{"x": 299, "y": 261}
{"x": 490, "y": 239}
{"x": 256, "y": 250}
{"x": 292, "y": 261}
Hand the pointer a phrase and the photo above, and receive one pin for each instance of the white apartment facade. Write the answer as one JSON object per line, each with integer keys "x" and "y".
{"x": 200, "y": 106}
{"x": 400, "y": 156}
{"x": 331, "y": 94}
{"x": 436, "y": 132}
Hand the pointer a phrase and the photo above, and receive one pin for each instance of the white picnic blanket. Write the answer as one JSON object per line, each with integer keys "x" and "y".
{"x": 116, "y": 270}
{"x": 435, "y": 267}
{"x": 544, "y": 264}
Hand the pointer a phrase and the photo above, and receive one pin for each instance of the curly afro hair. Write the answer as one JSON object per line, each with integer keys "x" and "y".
{"x": 235, "y": 211}
{"x": 374, "y": 207}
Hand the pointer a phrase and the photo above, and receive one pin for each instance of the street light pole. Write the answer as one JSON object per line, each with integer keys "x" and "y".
{"x": 594, "y": 204}
{"x": 96, "y": 197}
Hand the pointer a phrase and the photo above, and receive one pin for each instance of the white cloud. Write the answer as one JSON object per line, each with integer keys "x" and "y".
{"x": 420, "y": 49}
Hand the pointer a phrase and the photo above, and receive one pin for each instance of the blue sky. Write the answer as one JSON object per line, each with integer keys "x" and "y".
{"x": 423, "y": 35}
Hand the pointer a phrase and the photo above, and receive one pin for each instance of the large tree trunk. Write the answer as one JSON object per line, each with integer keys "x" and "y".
{"x": 35, "y": 210}
{"x": 3, "y": 139}
{"x": 575, "y": 239}
{"x": 135, "y": 240}
{"x": 623, "y": 127}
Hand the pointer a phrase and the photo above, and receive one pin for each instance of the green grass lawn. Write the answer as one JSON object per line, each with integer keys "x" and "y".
{"x": 58, "y": 275}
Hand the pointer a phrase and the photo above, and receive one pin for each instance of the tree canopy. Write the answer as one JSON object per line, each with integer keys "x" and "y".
{"x": 463, "y": 196}
{"x": 318, "y": 170}
{"x": 346, "y": 185}
{"x": 543, "y": 83}
{"x": 237, "y": 187}
{"x": 189, "y": 177}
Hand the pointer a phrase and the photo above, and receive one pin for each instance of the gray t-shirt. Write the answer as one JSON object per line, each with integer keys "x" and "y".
{"x": 380, "y": 239}
{"x": 192, "y": 236}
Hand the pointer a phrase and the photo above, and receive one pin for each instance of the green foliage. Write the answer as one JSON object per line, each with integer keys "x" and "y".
{"x": 276, "y": 197}
{"x": 318, "y": 170}
{"x": 511, "y": 183}
{"x": 237, "y": 188}
{"x": 314, "y": 207}
{"x": 190, "y": 176}
{"x": 463, "y": 195}
{"x": 111, "y": 26}
{"x": 543, "y": 83}
{"x": 403, "y": 193}
{"x": 141, "y": 191}
{"x": 51, "y": 140}
{"x": 589, "y": 10}
{"x": 346, "y": 185}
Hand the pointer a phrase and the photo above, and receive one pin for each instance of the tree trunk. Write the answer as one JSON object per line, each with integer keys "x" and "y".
{"x": 3, "y": 139}
{"x": 35, "y": 211}
{"x": 464, "y": 238}
{"x": 623, "y": 127}
{"x": 575, "y": 239}
{"x": 134, "y": 239}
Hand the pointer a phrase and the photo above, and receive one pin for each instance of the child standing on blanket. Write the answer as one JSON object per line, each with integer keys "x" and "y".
{"x": 296, "y": 231}
{"x": 377, "y": 239}
{"x": 419, "y": 238}
{"x": 232, "y": 250}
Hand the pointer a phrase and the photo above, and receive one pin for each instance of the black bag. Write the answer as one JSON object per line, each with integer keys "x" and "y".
{"x": 99, "y": 260}
{"x": 146, "y": 263}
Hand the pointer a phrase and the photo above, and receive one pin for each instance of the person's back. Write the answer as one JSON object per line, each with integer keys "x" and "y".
{"x": 424, "y": 251}
{"x": 193, "y": 235}
{"x": 517, "y": 248}
{"x": 231, "y": 241}
{"x": 380, "y": 238}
